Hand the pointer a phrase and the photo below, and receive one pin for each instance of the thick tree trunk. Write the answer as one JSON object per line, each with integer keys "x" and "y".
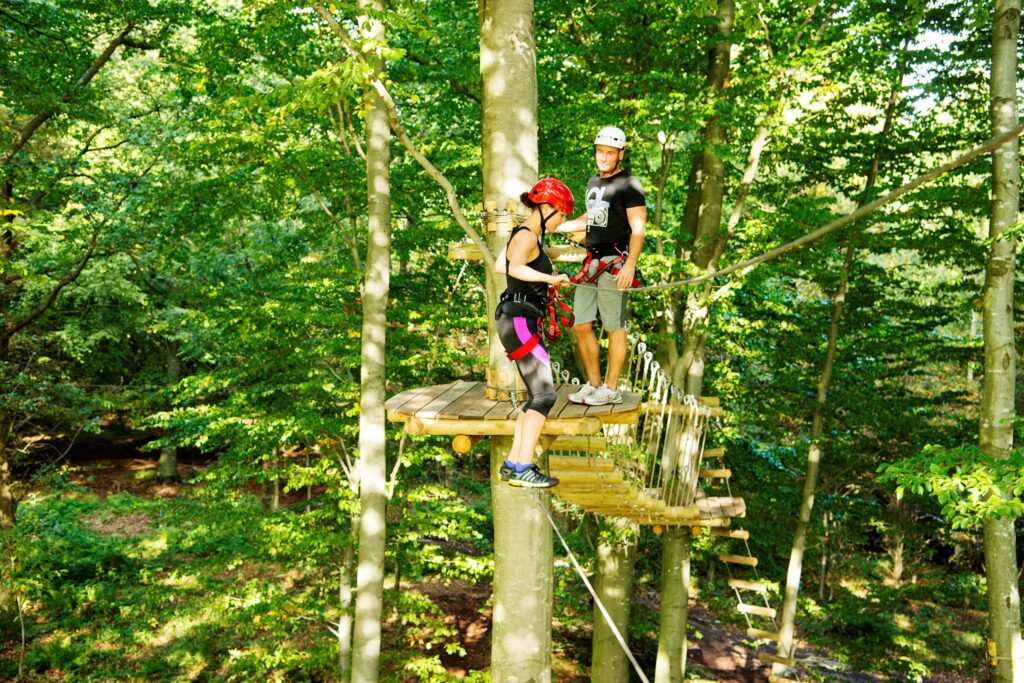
{"x": 521, "y": 635}
{"x": 675, "y": 596}
{"x": 998, "y": 388}
{"x": 366, "y": 641}
{"x": 616, "y": 561}
{"x": 688, "y": 372}
{"x": 167, "y": 468}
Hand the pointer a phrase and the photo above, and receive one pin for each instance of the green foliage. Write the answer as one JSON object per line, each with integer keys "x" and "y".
{"x": 969, "y": 485}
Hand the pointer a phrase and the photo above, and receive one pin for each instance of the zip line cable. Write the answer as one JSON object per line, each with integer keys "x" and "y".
{"x": 836, "y": 224}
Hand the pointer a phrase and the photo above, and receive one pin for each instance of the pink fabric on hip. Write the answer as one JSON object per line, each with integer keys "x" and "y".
{"x": 523, "y": 332}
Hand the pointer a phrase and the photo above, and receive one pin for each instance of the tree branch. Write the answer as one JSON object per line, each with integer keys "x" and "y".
{"x": 399, "y": 131}
{"x": 33, "y": 125}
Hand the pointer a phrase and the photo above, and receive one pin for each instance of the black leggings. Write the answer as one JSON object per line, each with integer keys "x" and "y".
{"x": 535, "y": 367}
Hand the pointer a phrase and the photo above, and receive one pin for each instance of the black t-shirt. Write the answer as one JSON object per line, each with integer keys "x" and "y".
{"x": 607, "y": 200}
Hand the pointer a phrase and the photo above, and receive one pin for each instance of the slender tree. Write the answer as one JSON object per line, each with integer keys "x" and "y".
{"x": 366, "y": 642}
{"x": 616, "y": 563}
{"x": 814, "y": 452}
{"x": 998, "y": 391}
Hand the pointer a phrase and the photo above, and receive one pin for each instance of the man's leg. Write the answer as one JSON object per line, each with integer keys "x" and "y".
{"x": 616, "y": 356}
{"x": 590, "y": 352}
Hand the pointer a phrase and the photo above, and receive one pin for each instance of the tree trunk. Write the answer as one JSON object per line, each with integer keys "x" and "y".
{"x": 787, "y": 624}
{"x": 675, "y": 596}
{"x": 372, "y": 453}
{"x": 521, "y": 635}
{"x": 344, "y": 632}
{"x": 709, "y": 217}
{"x": 616, "y": 561}
{"x": 999, "y": 385}
{"x": 8, "y": 515}
{"x": 688, "y": 372}
{"x": 167, "y": 468}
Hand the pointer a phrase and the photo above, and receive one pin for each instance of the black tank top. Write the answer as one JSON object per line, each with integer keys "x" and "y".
{"x": 535, "y": 293}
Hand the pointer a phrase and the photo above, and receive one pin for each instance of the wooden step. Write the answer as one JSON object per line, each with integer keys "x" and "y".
{"x": 741, "y": 534}
{"x": 775, "y": 659}
{"x": 586, "y": 444}
{"x": 714, "y": 452}
{"x": 761, "y": 634}
{"x": 759, "y": 586}
{"x": 577, "y": 462}
{"x": 756, "y": 609}
{"x": 586, "y": 477}
{"x": 739, "y": 559}
{"x": 781, "y": 679}
{"x": 715, "y": 474}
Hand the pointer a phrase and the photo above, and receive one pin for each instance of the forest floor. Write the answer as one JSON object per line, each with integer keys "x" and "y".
{"x": 718, "y": 651}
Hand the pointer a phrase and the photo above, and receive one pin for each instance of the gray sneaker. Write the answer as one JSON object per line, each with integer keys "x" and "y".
{"x": 602, "y": 396}
{"x": 532, "y": 478}
{"x": 580, "y": 396}
{"x": 504, "y": 471}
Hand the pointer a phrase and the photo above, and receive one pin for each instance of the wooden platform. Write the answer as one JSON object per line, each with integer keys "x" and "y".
{"x": 588, "y": 477}
{"x": 462, "y": 408}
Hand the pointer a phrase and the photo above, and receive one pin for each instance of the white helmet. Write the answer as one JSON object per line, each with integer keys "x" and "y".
{"x": 611, "y": 136}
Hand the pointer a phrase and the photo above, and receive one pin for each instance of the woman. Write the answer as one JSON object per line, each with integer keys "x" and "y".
{"x": 519, "y": 314}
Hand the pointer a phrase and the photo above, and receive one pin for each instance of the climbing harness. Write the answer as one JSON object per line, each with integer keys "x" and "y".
{"x": 559, "y": 315}
{"x": 612, "y": 267}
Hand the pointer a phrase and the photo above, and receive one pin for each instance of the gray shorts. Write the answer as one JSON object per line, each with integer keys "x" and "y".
{"x": 607, "y": 300}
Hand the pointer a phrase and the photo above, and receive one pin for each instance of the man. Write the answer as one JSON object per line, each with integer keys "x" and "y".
{"x": 615, "y": 221}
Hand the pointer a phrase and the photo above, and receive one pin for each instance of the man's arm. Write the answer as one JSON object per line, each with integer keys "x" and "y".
{"x": 637, "y": 217}
{"x": 578, "y": 224}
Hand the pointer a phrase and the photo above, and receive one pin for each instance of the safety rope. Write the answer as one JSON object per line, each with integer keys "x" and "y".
{"x": 836, "y": 224}
{"x": 597, "y": 600}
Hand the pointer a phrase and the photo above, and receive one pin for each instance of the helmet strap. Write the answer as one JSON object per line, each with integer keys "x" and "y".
{"x": 544, "y": 221}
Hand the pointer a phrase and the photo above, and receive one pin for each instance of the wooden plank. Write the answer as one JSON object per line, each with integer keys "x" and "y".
{"x": 714, "y": 453}
{"x": 776, "y": 659}
{"x": 759, "y": 586}
{"x": 712, "y": 401}
{"x": 502, "y": 410}
{"x": 468, "y": 402}
{"x": 757, "y": 610}
{"x": 590, "y": 477}
{"x": 396, "y": 401}
{"x": 504, "y": 427}
{"x": 574, "y": 409}
{"x": 739, "y": 559}
{"x": 435, "y": 408}
{"x": 741, "y": 534}
{"x": 578, "y": 462}
{"x": 715, "y": 474}
{"x": 416, "y": 402}
{"x": 761, "y": 634}
{"x": 561, "y": 399}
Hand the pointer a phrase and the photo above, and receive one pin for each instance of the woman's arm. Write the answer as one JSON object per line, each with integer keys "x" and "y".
{"x": 520, "y": 252}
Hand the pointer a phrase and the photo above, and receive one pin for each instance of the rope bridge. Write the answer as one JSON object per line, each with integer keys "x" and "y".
{"x": 647, "y": 470}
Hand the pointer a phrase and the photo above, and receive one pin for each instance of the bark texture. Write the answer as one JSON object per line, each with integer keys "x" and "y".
{"x": 675, "y": 595}
{"x": 366, "y": 637}
{"x": 616, "y": 562}
{"x": 521, "y": 635}
{"x": 997, "y": 398}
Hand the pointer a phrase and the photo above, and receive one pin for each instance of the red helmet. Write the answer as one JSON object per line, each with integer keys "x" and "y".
{"x": 553, "y": 192}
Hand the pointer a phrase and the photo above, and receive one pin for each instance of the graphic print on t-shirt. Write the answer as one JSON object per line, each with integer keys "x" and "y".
{"x": 597, "y": 207}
